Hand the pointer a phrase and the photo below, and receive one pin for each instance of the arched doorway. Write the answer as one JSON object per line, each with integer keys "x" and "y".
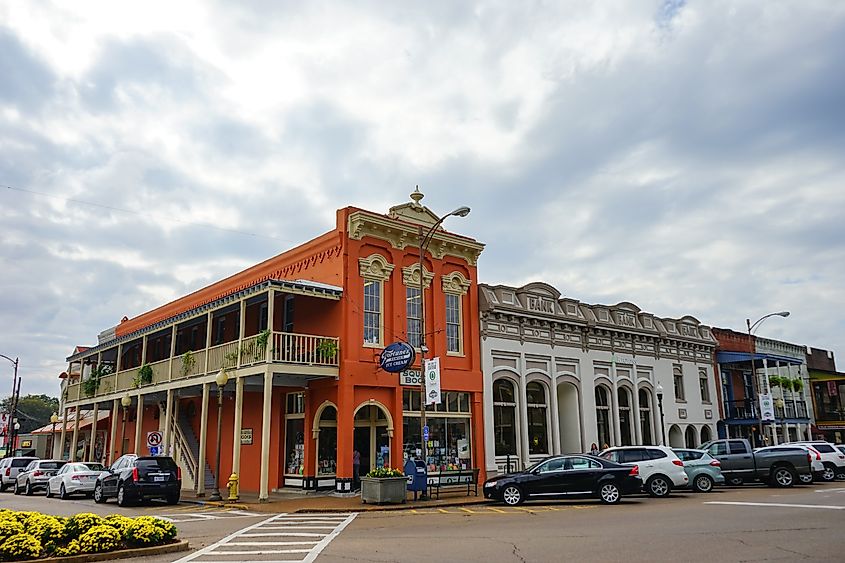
{"x": 691, "y": 437}
{"x": 569, "y": 418}
{"x": 645, "y": 417}
{"x": 371, "y": 437}
{"x": 625, "y": 426}
{"x": 603, "y": 416}
{"x": 706, "y": 435}
{"x": 504, "y": 418}
{"x": 676, "y": 437}
{"x": 538, "y": 435}
{"x": 327, "y": 442}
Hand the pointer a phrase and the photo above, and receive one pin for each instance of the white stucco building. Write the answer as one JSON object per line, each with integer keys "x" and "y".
{"x": 560, "y": 375}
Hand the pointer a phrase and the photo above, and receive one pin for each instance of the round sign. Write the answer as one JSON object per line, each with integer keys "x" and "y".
{"x": 154, "y": 439}
{"x": 397, "y": 357}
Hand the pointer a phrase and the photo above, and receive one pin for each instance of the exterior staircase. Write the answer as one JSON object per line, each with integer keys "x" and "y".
{"x": 184, "y": 435}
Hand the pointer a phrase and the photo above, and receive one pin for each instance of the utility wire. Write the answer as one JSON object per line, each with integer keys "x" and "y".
{"x": 145, "y": 215}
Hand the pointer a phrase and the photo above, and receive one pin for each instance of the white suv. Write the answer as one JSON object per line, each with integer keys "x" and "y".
{"x": 832, "y": 458}
{"x": 659, "y": 467}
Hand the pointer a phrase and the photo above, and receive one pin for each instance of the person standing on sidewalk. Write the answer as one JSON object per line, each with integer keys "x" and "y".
{"x": 356, "y": 469}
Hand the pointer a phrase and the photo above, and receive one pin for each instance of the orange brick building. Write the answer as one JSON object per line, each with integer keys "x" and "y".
{"x": 299, "y": 337}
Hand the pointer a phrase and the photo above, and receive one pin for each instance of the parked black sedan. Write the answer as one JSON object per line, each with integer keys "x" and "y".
{"x": 132, "y": 478}
{"x": 568, "y": 476}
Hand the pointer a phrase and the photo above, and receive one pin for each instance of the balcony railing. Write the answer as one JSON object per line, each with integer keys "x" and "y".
{"x": 747, "y": 410}
{"x": 284, "y": 348}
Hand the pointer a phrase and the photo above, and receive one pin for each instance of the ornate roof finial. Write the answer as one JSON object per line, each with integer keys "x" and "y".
{"x": 417, "y": 195}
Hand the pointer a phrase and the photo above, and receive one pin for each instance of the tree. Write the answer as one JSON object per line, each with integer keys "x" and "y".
{"x": 34, "y": 411}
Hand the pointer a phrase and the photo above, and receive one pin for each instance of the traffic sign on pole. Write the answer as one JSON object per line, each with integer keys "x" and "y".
{"x": 154, "y": 439}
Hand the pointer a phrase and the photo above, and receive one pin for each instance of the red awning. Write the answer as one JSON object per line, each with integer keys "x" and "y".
{"x": 85, "y": 419}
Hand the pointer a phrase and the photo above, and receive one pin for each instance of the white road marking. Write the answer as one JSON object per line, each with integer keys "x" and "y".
{"x": 283, "y": 526}
{"x": 837, "y": 490}
{"x": 778, "y": 504}
{"x": 182, "y": 517}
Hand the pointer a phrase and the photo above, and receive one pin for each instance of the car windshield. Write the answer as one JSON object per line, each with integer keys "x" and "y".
{"x": 51, "y": 464}
{"x": 93, "y": 467}
{"x": 23, "y": 462}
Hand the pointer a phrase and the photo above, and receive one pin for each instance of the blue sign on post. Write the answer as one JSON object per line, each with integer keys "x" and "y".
{"x": 397, "y": 357}
{"x": 425, "y": 433}
{"x": 153, "y": 451}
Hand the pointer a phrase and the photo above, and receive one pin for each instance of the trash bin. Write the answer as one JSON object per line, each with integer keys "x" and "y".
{"x": 417, "y": 475}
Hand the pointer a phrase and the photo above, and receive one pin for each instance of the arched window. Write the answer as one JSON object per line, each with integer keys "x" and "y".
{"x": 645, "y": 417}
{"x": 538, "y": 436}
{"x": 504, "y": 417}
{"x": 327, "y": 442}
{"x": 691, "y": 437}
{"x": 603, "y": 415}
{"x": 706, "y": 435}
{"x": 625, "y": 427}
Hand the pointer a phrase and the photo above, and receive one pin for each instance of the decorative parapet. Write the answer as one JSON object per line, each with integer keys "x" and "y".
{"x": 411, "y": 276}
{"x": 375, "y": 267}
{"x": 455, "y": 283}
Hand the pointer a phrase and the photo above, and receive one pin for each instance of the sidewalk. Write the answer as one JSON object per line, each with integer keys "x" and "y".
{"x": 291, "y": 502}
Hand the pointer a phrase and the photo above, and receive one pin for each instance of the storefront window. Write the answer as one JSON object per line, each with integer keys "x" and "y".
{"x": 504, "y": 417}
{"x": 602, "y": 415}
{"x": 645, "y": 417}
{"x": 448, "y": 444}
{"x": 295, "y": 446}
{"x": 327, "y": 442}
{"x": 538, "y": 442}
{"x": 625, "y": 427}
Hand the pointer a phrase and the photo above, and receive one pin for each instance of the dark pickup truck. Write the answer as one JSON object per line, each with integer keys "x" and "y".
{"x": 740, "y": 464}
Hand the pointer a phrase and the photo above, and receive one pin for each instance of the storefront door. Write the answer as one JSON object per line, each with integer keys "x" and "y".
{"x": 371, "y": 438}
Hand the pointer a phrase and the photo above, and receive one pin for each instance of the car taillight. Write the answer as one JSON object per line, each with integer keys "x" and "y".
{"x": 716, "y": 463}
{"x": 179, "y": 473}
{"x": 810, "y": 458}
{"x": 75, "y": 478}
{"x": 8, "y": 471}
{"x": 678, "y": 462}
{"x": 135, "y": 474}
{"x": 37, "y": 473}
{"x": 635, "y": 471}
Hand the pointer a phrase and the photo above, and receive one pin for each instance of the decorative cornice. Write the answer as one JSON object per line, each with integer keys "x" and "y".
{"x": 401, "y": 234}
{"x": 455, "y": 283}
{"x": 375, "y": 267}
{"x": 411, "y": 276}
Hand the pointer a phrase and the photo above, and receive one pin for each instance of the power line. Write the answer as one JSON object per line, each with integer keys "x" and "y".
{"x": 145, "y": 215}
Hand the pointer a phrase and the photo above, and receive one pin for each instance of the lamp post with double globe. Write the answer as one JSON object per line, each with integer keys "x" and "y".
{"x": 125, "y": 401}
{"x": 659, "y": 391}
{"x": 54, "y": 418}
{"x": 221, "y": 380}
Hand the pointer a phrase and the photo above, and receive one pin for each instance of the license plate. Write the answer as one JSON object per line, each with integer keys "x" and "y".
{"x": 159, "y": 479}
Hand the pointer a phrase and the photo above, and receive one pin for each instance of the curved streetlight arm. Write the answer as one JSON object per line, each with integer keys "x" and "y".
{"x": 15, "y": 361}
{"x": 753, "y": 326}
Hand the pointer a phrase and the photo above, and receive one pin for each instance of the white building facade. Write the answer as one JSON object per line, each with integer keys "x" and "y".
{"x": 560, "y": 375}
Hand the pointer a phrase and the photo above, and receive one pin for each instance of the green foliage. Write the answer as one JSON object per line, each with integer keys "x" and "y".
{"x": 34, "y": 411}
{"x": 72, "y": 548}
{"x": 383, "y": 472}
{"x": 80, "y": 523}
{"x": 188, "y": 363}
{"x": 144, "y": 376}
{"x": 99, "y": 538}
{"x": 146, "y": 530}
{"x": 327, "y": 349}
{"x": 775, "y": 381}
{"x": 118, "y": 522}
{"x": 20, "y": 547}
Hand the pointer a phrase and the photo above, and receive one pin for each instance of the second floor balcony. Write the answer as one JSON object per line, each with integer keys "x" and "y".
{"x": 747, "y": 409}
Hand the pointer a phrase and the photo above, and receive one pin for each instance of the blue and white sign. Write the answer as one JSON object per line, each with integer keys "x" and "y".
{"x": 153, "y": 450}
{"x": 425, "y": 433}
{"x": 397, "y": 357}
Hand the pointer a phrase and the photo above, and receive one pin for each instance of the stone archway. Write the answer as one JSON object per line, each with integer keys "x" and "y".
{"x": 676, "y": 437}
{"x": 372, "y": 435}
{"x": 569, "y": 418}
{"x": 691, "y": 437}
{"x": 706, "y": 434}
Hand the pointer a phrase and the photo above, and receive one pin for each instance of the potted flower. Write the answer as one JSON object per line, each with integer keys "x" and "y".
{"x": 383, "y": 485}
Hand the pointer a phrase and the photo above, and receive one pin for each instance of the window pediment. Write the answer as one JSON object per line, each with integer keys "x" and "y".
{"x": 455, "y": 283}
{"x": 411, "y": 276}
{"x": 375, "y": 267}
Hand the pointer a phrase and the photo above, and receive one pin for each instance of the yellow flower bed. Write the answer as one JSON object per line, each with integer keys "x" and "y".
{"x": 32, "y": 535}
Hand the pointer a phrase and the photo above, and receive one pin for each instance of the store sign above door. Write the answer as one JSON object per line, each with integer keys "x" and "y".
{"x": 397, "y": 357}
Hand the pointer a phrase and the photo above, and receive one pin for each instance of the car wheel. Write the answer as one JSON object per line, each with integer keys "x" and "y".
{"x": 17, "y": 491}
{"x": 3, "y": 488}
{"x": 806, "y": 478}
{"x": 63, "y": 492}
{"x": 703, "y": 484}
{"x": 99, "y": 498}
{"x": 735, "y": 481}
{"x": 840, "y": 474}
{"x": 782, "y": 477}
{"x": 121, "y": 497}
{"x": 172, "y": 499}
{"x": 609, "y": 493}
{"x": 659, "y": 486}
{"x": 829, "y": 473}
{"x": 28, "y": 489}
{"x": 512, "y": 495}
{"x": 49, "y": 492}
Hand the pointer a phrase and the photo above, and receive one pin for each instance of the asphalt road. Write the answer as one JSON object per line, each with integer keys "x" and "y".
{"x": 735, "y": 524}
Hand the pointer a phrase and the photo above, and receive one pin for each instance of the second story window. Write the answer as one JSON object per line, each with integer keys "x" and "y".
{"x": 704, "y": 386}
{"x": 454, "y": 323}
{"x": 413, "y": 311}
{"x": 372, "y": 312}
{"x": 678, "y": 379}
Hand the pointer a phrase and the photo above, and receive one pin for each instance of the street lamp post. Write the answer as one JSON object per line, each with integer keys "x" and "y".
{"x": 17, "y": 427}
{"x": 16, "y": 391}
{"x": 221, "y": 380}
{"x": 751, "y": 328}
{"x": 660, "y": 407}
{"x": 125, "y": 402}
{"x": 54, "y": 418}
{"x": 425, "y": 240}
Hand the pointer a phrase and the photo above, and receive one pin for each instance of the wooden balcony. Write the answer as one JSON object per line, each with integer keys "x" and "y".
{"x": 288, "y": 353}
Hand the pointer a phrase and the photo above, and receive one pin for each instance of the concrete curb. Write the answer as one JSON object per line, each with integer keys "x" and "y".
{"x": 394, "y": 507}
{"x": 218, "y": 504}
{"x": 121, "y": 554}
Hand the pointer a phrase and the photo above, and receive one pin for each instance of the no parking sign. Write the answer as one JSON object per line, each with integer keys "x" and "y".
{"x": 154, "y": 439}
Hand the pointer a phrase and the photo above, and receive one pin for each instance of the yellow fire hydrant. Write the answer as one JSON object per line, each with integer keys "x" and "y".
{"x": 233, "y": 486}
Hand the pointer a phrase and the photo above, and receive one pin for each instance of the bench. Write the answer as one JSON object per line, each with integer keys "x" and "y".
{"x": 454, "y": 479}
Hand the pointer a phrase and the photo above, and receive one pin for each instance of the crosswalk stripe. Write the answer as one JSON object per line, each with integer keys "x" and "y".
{"x": 259, "y": 552}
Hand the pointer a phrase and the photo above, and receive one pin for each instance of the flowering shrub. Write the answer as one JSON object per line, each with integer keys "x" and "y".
{"x": 382, "y": 472}
{"x": 20, "y": 547}
{"x": 80, "y": 523}
{"x": 99, "y": 538}
{"x": 31, "y": 535}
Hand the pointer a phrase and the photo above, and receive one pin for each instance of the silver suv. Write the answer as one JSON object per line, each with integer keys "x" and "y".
{"x": 9, "y": 469}
{"x": 36, "y": 475}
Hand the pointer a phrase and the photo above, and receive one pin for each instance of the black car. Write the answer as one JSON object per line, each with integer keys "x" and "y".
{"x": 579, "y": 475}
{"x": 133, "y": 479}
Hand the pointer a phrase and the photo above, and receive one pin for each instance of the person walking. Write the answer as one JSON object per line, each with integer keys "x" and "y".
{"x": 356, "y": 469}
{"x": 594, "y": 449}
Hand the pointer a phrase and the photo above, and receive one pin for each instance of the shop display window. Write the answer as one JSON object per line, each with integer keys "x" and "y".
{"x": 295, "y": 450}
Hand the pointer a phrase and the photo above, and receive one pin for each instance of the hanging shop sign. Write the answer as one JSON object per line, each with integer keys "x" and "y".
{"x": 410, "y": 378}
{"x": 432, "y": 381}
{"x": 767, "y": 407}
{"x": 246, "y": 436}
{"x": 397, "y": 357}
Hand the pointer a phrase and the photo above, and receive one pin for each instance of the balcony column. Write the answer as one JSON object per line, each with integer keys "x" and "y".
{"x": 173, "y": 333}
{"x": 75, "y": 434}
{"x": 208, "y": 327}
{"x": 236, "y": 437}
{"x": 167, "y": 447}
{"x": 264, "y": 483}
{"x": 118, "y": 363}
{"x": 91, "y": 452}
{"x": 784, "y": 425}
{"x": 64, "y": 434}
{"x": 115, "y": 409}
{"x": 552, "y": 417}
{"x": 768, "y": 387}
{"x": 144, "y": 350}
{"x": 139, "y": 423}
{"x": 616, "y": 438}
{"x": 203, "y": 441}
{"x": 271, "y": 299}
{"x": 241, "y": 328}
{"x": 635, "y": 413}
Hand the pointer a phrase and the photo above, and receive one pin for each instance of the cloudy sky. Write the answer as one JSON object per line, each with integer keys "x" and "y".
{"x": 685, "y": 156}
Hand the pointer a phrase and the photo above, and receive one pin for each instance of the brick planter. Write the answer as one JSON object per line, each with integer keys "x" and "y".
{"x": 383, "y": 490}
